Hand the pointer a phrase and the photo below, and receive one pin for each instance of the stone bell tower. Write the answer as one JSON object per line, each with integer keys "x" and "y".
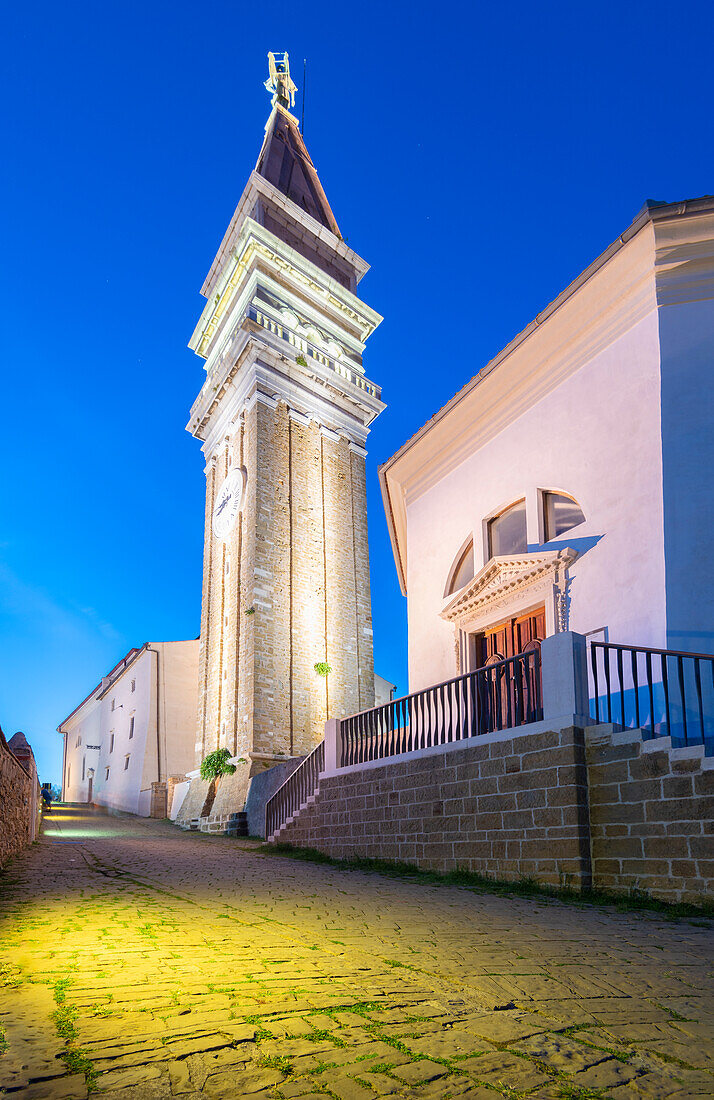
{"x": 283, "y": 417}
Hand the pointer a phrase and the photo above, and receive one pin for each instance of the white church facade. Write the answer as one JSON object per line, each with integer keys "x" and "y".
{"x": 568, "y": 485}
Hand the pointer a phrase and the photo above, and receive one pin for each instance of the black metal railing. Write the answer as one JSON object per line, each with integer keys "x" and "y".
{"x": 497, "y": 696}
{"x": 295, "y": 791}
{"x": 665, "y": 692}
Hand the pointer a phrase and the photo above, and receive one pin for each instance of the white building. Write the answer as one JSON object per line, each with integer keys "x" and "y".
{"x": 569, "y": 484}
{"x": 135, "y": 731}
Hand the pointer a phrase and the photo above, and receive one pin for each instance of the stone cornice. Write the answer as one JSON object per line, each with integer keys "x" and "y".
{"x": 503, "y": 576}
{"x": 684, "y": 259}
{"x": 256, "y": 244}
{"x": 256, "y": 188}
{"x": 312, "y": 391}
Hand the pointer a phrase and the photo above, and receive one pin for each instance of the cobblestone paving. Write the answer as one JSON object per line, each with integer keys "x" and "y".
{"x": 142, "y": 962}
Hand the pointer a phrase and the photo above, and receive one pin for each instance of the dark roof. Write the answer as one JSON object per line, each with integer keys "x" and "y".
{"x": 285, "y": 162}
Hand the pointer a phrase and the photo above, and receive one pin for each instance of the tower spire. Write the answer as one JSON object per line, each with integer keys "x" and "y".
{"x": 279, "y": 81}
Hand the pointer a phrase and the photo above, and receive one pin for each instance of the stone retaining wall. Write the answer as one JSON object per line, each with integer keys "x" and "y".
{"x": 566, "y": 807}
{"x": 508, "y": 808}
{"x": 651, "y": 816}
{"x": 18, "y": 802}
{"x": 262, "y": 787}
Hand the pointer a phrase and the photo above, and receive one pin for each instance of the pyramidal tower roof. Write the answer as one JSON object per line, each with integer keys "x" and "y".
{"x": 285, "y": 162}
{"x": 284, "y": 199}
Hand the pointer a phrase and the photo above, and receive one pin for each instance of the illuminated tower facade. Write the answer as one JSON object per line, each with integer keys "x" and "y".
{"x": 283, "y": 417}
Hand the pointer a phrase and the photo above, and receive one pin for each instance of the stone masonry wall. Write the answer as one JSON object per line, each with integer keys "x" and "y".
{"x": 289, "y": 587}
{"x": 651, "y": 817}
{"x": 506, "y": 809}
{"x": 16, "y": 804}
{"x": 365, "y": 653}
{"x": 298, "y": 557}
{"x": 574, "y": 807}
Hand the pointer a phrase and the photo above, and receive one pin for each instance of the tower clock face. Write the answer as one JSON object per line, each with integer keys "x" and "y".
{"x": 229, "y": 503}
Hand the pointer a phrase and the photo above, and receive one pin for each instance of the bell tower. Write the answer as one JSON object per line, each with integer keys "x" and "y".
{"x": 283, "y": 417}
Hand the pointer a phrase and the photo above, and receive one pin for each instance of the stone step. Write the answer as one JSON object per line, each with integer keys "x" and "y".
{"x": 311, "y": 798}
{"x": 237, "y": 824}
{"x": 621, "y": 735}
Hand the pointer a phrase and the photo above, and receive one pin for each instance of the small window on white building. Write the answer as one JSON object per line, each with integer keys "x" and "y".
{"x": 113, "y": 701}
{"x": 507, "y": 531}
{"x": 133, "y": 685}
{"x": 69, "y": 772}
{"x": 106, "y": 773}
{"x": 560, "y": 514}
{"x": 462, "y": 571}
{"x": 111, "y": 742}
{"x": 126, "y": 763}
{"x": 131, "y": 727}
{"x": 78, "y": 742}
{"x": 84, "y": 766}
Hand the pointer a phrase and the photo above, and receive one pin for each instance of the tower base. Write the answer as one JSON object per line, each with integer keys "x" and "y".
{"x": 218, "y": 806}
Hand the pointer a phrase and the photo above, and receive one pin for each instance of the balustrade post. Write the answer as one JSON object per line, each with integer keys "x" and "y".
{"x": 565, "y": 676}
{"x": 333, "y": 744}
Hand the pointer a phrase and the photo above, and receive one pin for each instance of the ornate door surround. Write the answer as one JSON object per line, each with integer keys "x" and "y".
{"x": 508, "y": 587}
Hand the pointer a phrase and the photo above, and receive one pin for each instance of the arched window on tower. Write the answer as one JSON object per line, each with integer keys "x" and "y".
{"x": 462, "y": 570}
{"x": 560, "y": 513}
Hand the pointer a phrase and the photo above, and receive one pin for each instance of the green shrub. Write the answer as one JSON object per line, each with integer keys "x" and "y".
{"x": 322, "y": 668}
{"x": 216, "y": 764}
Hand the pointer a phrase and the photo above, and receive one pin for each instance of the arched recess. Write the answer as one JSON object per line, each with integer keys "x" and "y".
{"x": 462, "y": 568}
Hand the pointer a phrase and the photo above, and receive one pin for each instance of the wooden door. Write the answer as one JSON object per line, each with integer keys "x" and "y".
{"x": 516, "y": 635}
{"x": 509, "y": 638}
{"x": 497, "y": 644}
{"x": 529, "y": 628}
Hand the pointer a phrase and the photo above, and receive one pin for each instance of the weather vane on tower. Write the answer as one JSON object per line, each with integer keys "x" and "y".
{"x": 279, "y": 81}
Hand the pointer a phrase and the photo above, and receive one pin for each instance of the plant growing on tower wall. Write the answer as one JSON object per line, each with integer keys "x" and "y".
{"x": 217, "y": 764}
{"x": 322, "y": 668}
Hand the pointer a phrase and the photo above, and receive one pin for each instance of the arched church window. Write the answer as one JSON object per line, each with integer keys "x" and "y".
{"x": 560, "y": 513}
{"x": 507, "y": 531}
{"x": 462, "y": 570}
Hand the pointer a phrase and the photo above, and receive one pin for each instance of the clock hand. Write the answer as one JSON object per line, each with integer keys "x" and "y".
{"x": 223, "y": 504}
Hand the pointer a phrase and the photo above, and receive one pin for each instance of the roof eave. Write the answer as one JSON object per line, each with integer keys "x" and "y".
{"x": 650, "y": 212}
{"x": 391, "y": 526}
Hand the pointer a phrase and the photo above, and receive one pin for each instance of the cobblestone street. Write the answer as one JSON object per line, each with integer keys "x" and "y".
{"x": 139, "y": 961}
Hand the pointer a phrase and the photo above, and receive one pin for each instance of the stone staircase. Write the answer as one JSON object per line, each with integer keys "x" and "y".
{"x": 274, "y": 838}
{"x": 297, "y": 793}
{"x": 611, "y": 733}
{"x": 235, "y": 824}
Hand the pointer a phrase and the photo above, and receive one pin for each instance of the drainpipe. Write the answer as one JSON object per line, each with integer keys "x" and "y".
{"x": 158, "y": 716}
{"x": 64, "y": 761}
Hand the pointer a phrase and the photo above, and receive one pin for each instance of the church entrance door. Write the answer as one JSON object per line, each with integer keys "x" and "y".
{"x": 496, "y": 643}
{"x": 508, "y": 638}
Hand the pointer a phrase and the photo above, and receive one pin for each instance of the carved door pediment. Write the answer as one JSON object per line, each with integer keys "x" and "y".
{"x": 506, "y": 582}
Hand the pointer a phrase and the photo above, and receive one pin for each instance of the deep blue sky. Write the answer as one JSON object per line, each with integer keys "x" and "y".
{"x": 478, "y": 156}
